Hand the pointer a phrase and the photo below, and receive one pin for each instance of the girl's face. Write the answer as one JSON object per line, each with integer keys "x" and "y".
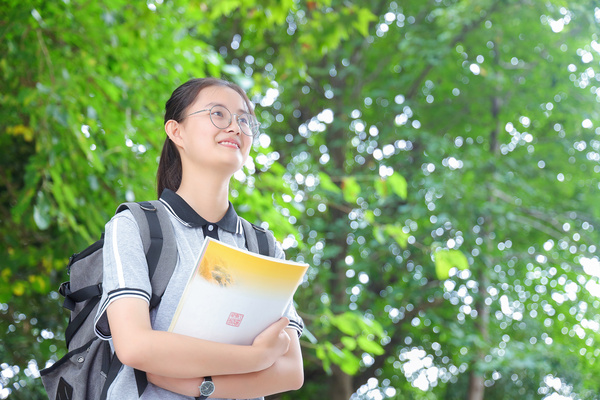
{"x": 201, "y": 143}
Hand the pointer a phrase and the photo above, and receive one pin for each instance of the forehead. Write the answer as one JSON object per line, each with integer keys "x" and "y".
{"x": 221, "y": 95}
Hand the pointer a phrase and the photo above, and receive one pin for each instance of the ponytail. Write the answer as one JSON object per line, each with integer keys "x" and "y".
{"x": 168, "y": 175}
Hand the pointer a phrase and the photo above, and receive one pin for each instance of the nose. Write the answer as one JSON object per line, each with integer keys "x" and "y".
{"x": 235, "y": 124}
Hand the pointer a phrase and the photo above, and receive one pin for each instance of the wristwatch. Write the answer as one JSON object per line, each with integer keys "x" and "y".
{"x": 206, "y": 388}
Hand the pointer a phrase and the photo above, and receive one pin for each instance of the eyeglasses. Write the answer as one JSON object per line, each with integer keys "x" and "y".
{"x": 221, "y": 117}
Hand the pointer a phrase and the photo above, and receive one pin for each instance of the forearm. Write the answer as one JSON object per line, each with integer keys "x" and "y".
{"x": 168, "y": 354}
{"x": 178, "y": 356}
{"x": 282, "y": 376}
{"x": 285, "y": 374}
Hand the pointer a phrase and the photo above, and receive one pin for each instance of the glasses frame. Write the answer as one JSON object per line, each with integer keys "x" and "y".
{"x": 254, "y": 131}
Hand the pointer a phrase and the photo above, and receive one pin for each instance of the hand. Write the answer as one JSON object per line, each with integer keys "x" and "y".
{"x": 273, "y": 341}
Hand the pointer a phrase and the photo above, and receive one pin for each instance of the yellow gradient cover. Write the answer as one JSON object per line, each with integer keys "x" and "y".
{"x": 233, "y": 294}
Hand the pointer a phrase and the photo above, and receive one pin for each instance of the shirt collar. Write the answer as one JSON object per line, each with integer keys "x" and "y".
{"x": 187, "y": 216}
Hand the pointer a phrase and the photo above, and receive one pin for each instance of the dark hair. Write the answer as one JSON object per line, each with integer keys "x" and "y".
{"x": 168, "y": 175}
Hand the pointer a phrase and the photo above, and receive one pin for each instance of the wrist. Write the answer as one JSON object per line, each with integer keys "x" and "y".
{"x": 206, "y": 388}
{"x": 262, "y": 357}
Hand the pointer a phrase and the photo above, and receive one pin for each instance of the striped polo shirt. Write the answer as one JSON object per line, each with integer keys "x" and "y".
{"x": 126, "y": 274}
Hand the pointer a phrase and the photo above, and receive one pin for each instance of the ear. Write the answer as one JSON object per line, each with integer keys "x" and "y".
{"x": 173, "y": 130}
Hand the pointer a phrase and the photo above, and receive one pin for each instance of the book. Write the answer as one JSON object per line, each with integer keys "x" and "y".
{"x": 233, "y": 294}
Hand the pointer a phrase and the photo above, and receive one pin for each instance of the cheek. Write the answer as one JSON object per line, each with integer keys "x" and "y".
{"x": 247, "y": 145}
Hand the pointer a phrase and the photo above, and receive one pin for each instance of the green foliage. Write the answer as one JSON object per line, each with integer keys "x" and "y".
{"x": 445, "y": 260}
{"x": 435, "y": 162}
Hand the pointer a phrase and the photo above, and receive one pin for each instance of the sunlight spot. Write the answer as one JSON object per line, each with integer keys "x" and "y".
{"x": 591, "y": 266}
{"x": 264, "y": 140}
{"x": 388, "y": 150}
{"x": 587, "y": 57}
{"x": 270, "y": 97}
{"x": 401, "y": 119}
{"x": 385, "y": 171}
{"x": 556, "y": 26}
{"x": 363, "y": 278}
{"x": 504, "y": 306}
{"x": 517, "y": 316}
{"x": 239, "y": 175}
{"x": 326, "y": 116}
{"x": 288, "y": 242}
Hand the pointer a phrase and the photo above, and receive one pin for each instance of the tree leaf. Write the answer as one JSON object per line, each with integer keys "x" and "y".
{"x": 398, "y": 185}
{"x": 350, "y": 189}
{"x": 448, "y": 259}
{"x": 370, "y": 346}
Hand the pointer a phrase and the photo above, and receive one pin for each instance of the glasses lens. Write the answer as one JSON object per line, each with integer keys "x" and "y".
{"x": 248, "y": 124}
{"x": 220, "y": 117}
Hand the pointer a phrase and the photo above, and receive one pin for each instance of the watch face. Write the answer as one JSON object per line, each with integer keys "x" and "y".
{"x": 207, "y": 388}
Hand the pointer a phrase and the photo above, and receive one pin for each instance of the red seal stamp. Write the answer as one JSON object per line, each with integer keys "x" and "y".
{"x": 235, "y": 319}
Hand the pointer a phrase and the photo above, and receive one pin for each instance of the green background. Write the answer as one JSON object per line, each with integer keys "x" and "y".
{"x": 436, "y": 162}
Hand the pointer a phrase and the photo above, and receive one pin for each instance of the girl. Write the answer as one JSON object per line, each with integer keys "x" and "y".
{"x": 210, "y": 124}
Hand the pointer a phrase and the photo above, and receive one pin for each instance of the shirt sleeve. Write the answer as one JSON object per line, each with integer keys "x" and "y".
{"x": 290, "y": 312}
{"x": 125, "y": 270}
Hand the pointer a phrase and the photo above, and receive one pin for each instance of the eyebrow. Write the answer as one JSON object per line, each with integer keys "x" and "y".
{"x": 239, "y": 110}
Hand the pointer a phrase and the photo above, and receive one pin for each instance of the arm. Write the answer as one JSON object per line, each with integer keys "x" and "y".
{"x": 172, "y": 355}
{"x": 285, "y": 374}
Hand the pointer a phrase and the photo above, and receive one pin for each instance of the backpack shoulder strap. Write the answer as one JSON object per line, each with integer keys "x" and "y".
{"x": 258, "y": 239}
{"x": 160, "y": 247}
{"x": 159, "y": 243}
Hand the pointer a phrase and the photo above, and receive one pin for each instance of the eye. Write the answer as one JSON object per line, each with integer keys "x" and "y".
{"x": 220, "y": 112}
{"x": 244, "y": 119}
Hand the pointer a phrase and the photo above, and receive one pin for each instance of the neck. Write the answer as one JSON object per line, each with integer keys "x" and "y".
{"x": 208, "y": 196}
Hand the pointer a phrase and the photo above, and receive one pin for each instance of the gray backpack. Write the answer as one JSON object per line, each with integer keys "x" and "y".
{"x": 90, "y": 366}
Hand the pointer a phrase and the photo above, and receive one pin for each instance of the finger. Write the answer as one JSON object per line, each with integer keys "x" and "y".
{"x": 281, "y": 323}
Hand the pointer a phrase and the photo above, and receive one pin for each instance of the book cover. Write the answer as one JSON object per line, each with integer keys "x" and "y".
{"x": 233, "y": 294}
